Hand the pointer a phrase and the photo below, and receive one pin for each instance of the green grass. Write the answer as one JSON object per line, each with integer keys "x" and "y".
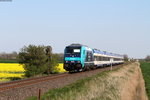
{"x": 145, "y": 67}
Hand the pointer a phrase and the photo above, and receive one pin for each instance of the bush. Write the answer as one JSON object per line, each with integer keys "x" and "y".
{"x": 147, "y": 58}
{"x": 35, "y": 60}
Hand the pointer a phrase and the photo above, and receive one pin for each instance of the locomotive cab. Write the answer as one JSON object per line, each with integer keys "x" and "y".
{"x": 72, "y": 58}
{"x": 77, "y": 57}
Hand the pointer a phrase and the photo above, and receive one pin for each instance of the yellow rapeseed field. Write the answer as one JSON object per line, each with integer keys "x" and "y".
{"x": 15, "y": 70}
{"x": 11, "y": 70}
{"x": 11, "y": 67}
{"x": 59, "y": 69}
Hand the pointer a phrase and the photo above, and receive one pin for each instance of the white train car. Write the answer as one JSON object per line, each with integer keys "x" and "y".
{"x": 103, "y": 58}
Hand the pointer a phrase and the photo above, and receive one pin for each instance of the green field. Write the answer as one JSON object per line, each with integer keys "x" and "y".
{"x": 8, "y": 60}
{"x": 145, "y": 67}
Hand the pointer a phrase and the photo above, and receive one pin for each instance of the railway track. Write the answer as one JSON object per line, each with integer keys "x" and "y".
{"x": 30, "y": 81}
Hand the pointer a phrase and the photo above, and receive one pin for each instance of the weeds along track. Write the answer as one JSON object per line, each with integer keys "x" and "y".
{"x": 30, "y": 81}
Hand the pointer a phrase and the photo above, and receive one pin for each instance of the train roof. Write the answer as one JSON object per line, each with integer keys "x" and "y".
{"x": 76, "y": 45}
{"x": 96, "y": 50}
{"x": 106, "y": 53}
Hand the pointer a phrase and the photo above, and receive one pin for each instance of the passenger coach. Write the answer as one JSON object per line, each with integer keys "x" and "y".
{"x": 79, "y": 57}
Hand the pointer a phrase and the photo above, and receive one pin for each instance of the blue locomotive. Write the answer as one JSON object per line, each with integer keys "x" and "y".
{"x": 79, "y": 57}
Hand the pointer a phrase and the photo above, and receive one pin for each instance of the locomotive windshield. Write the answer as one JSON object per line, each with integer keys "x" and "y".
{"x": 73, "y": 50}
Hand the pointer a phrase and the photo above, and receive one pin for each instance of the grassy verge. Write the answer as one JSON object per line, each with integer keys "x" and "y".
{"x": 145, "y": 67}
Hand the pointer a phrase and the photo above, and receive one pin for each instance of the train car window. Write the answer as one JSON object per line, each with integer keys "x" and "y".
{"x": 95, "y": 58}
{"x": 117, "y": 59}
{"x": 105, "y": 59}
{"x": 100, "y": 58}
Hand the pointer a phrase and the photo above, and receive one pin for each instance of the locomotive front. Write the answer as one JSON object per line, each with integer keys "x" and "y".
{"x": 73, "y": 58}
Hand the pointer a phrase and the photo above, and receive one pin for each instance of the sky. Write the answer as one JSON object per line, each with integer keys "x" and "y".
{"x": 118, "y": 26}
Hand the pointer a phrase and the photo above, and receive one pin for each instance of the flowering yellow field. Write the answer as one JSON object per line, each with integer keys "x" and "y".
{"x": 11, "y": 67}
{"x": 10, "y": 70}
{"x": 15, "y": 70}
{"x": 59, "y": 69}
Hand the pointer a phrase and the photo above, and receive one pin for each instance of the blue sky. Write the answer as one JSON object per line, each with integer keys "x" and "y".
{"x": 119, "y": 26}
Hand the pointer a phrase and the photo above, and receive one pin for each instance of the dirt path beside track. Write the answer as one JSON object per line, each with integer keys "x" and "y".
{"x": 133, "y": 86}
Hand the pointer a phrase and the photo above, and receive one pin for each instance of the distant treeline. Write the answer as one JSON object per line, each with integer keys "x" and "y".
{"x": 13, "y": 57}
{"x": 8, "y": 57}
{"x": 147, "y": 58}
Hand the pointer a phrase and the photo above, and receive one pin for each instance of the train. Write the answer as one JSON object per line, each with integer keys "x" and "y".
{"x": 78, "y": 57}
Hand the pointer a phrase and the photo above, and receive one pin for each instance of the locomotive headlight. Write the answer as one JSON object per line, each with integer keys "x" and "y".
{"x": 78, "y": 61}
{"x": 66, "y": 61}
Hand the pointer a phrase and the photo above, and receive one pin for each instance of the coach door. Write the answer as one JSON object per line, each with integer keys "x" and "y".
{"x": 89, "y": 58}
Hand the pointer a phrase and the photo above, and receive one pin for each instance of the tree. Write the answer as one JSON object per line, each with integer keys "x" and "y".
{"x": 125, "y": 56}
{"x": 60, "y": 57}
{"x": 54, "y": 62}
{"x": 147, "y": 58}
{"x": 35, "y": 60}
{"x": 49, "y": 55}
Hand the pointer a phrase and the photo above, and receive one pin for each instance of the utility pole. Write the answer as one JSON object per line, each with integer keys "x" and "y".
{"x": 49, "y": 54}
